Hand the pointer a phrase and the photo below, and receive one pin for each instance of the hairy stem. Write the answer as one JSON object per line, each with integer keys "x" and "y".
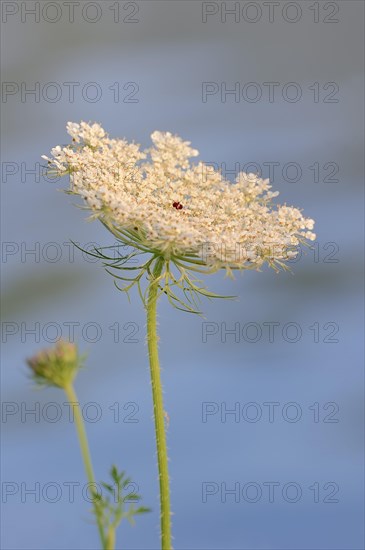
{"x": 110, "y": 539}
{"x": 85, "y": 452}
{"x": 158, "y": 408}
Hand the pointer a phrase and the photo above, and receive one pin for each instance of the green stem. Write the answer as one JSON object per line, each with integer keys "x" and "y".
{"x": 85, "y": 452}
{"x": 158, "y": 408}
{"x": 110, "y": 538}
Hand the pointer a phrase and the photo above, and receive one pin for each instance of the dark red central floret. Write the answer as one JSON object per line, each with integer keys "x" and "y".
{"x": 177, "y": 205}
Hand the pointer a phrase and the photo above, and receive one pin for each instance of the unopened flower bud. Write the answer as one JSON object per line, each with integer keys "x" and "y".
{"x": 56, "y": 366}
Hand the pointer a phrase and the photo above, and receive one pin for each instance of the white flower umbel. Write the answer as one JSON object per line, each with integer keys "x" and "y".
{"x": 183, "y": 217}
{"x": 159, "y": 201}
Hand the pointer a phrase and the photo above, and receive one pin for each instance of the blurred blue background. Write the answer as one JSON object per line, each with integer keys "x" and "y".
{"x": 168, "y": 52}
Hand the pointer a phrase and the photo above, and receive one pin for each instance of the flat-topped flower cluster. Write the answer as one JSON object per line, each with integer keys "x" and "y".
{"x": 159, "y": 201}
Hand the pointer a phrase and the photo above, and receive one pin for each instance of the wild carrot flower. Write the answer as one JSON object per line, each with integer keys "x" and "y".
{"x": 186, "y": 218}
{"x": 56, "y": 366}
{"x": 157, "y": 200}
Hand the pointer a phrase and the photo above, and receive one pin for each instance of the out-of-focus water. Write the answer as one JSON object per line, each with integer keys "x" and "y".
{"x": 285, "y": 469}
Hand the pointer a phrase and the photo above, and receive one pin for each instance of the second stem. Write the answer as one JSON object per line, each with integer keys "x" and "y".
{"x": 85, "y": 452}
